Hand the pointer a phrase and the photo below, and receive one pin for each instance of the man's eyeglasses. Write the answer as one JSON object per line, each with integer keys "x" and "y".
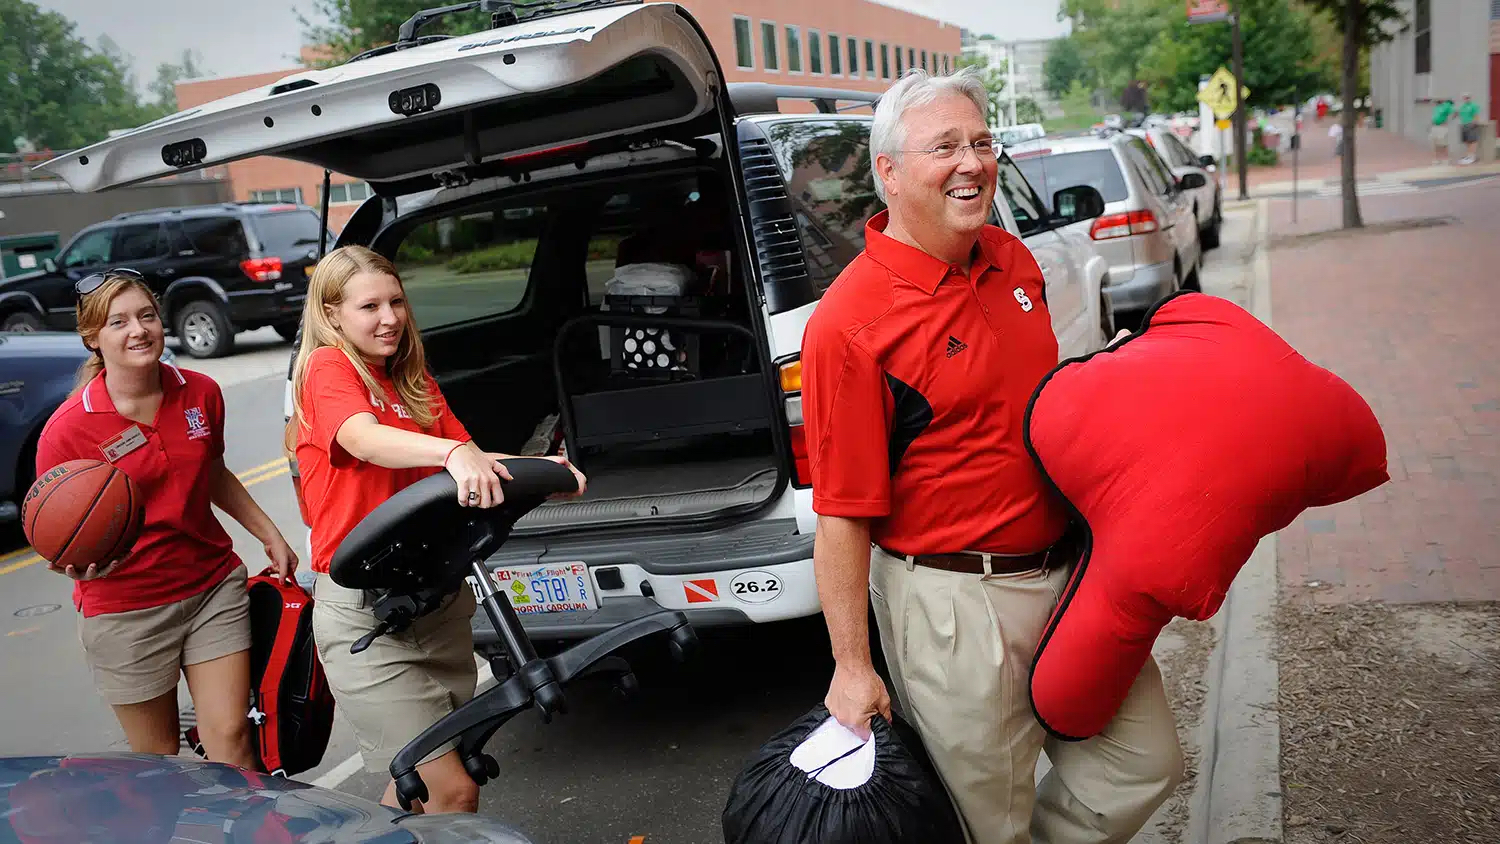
{"x": 948, "y": 151}
{"x": 89, "y": 283}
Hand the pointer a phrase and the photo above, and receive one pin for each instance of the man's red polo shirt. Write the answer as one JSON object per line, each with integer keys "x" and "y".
{"x": 916, "y": 378}
{"x": 183, "y": 550}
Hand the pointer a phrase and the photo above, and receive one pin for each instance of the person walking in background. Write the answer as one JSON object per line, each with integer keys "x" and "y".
{"x": 176, "y": 603}
{"x": 1441, "y": 114}
{"x": 1468, "y": 112}
{"x": 918, "y": 364}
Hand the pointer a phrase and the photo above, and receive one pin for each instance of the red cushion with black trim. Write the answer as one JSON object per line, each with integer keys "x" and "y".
{"x": 1178, "y": 449}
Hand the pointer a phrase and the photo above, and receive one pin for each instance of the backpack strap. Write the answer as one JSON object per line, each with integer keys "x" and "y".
{"x": 270, "y": 684}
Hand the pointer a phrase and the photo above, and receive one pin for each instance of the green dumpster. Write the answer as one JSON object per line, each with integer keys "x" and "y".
{"x": 24, "y": 253}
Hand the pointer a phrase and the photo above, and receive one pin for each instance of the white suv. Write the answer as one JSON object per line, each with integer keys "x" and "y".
{"x": 608, "y": 251}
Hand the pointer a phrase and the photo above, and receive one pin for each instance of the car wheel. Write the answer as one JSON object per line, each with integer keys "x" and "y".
{"x": 204, "y": 329}
{"x": 22, "y": 322}
{"x": 1210, "y": 235}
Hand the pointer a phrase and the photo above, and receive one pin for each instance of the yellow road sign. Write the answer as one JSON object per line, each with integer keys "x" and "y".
{"x": 1218, "y": 94}
{"x": 1222, "y": 123}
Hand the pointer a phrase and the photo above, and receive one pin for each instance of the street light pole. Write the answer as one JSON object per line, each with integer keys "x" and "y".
{"x": 1240, "y": 149}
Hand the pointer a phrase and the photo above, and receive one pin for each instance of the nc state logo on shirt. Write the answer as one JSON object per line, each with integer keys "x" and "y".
{"x": 400, "y": 410}
{"x": 197, "y": 426}
{"x": 1020, "y": 294}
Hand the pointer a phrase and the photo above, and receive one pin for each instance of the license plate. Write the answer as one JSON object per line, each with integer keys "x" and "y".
{"x": 554, "y": 587}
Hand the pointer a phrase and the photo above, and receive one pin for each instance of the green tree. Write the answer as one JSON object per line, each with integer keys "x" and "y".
{"x": 354, "y": 26}
{"x": 1363, "y": 24}
{"x": 1114, "y": 35}
{"x": 58, "y": 92}
{"x": 164, "y": 87}
{"x": 994, "y": 83}
{"x": 1064, "y": 65}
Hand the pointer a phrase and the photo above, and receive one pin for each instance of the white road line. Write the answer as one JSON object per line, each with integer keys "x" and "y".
{"x": 335, "y": 776}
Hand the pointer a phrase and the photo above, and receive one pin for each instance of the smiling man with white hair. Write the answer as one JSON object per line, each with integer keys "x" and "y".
{"x": 917, "y": 367}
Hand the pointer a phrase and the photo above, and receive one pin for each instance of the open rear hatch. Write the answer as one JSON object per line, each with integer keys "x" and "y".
{"x": 448, "y": 108}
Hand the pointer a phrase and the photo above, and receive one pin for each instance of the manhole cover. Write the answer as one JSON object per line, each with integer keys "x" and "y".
{"x": 39, "y": 609}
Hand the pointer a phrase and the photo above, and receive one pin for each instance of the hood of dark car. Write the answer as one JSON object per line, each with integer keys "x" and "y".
{"x": 129, "y": 797}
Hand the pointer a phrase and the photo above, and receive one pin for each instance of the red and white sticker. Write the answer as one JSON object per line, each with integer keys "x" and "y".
{"x": 701, "y": 591}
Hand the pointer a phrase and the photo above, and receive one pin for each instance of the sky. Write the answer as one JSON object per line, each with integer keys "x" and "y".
{"x": 236, "y": 37}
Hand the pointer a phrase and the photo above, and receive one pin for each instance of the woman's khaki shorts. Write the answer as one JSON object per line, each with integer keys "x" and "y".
{"x": 138, "y": 655}
{"x": 404, "y": 682}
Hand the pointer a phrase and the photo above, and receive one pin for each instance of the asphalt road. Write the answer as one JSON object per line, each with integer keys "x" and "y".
{"x": 659, "y": 766}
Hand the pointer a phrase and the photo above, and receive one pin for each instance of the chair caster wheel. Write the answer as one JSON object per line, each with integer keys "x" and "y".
{"x": 626, "y": 686}
{"x": 409, "y": 788}
{"x": 481, "y": 768}
{"x": 683, "y": 643}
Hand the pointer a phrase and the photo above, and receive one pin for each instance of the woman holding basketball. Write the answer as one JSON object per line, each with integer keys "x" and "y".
{"x": 368, "y": 420}
{"x": 176, "y": 602}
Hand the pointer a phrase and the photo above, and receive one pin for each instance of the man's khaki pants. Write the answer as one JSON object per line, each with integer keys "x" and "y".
{"x": 959, "y": 648}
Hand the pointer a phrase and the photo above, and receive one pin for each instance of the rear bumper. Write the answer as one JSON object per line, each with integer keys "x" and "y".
{"x": 268, "y": 306}
{"x": 752, "y": 575}
{"x": 1142, "y": 287}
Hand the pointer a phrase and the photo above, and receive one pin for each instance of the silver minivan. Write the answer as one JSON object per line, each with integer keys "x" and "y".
{"x": 1147, "y": 233}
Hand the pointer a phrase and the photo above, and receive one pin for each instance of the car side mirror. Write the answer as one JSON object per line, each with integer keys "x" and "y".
{"x": 1077, "y": 203}
{"x": 1206, "y": 160}
{"x": 1190, "y": 181}
{"x": 49, "y": 265}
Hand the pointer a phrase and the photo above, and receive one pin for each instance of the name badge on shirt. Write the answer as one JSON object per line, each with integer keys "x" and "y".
{"x": 123, "y": 443}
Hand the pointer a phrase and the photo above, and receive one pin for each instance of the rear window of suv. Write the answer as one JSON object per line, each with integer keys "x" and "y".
{"x": 286, "y": 232}
{"x": 1096, "y": 168}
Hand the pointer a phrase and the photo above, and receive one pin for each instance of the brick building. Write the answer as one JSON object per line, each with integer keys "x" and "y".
{"x": 857, "y": 44}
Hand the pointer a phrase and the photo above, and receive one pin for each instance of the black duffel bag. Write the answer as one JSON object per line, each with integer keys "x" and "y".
{"x": 816, "y": 783}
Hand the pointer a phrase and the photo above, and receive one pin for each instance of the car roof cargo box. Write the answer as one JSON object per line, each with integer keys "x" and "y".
{"x": 445, "y": 106}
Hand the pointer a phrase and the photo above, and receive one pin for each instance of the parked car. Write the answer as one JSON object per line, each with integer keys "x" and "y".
{"x": 37, "y": 371}
{"x": 217, "y": 269}
{"x": 1010, "y": 136}
{"x": 1147, "y": 233}
{"x": 140, "y": 797}
{"x": 1181, "y": 161}
{"x": 610, "y": 253}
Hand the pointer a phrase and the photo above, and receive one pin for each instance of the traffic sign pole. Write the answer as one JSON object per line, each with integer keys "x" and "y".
{"x": 1240, "y": 156}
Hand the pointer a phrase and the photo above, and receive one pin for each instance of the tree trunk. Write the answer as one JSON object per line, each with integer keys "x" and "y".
{"x": 1353, "y": 26}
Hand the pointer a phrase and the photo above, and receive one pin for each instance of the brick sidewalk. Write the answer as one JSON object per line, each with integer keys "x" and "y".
{"x": 1376, "y": 151}
{"x": 1412, "y": 320}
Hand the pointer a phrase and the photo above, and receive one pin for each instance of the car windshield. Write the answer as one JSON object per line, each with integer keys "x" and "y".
{"x": 286, "y": 232}
{"x": 1096, "y": 168}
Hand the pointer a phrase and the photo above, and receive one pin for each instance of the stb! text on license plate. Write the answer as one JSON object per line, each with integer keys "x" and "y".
{"x": 554, "y": 587}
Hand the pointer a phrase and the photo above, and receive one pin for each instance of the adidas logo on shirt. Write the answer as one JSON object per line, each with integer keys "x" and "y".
{"x": 955, "y": 345}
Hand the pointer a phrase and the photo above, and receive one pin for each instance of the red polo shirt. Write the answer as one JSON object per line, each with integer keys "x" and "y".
{"x": 340, "y": 490}
{"x": 183, "y": 550}
{"x": 916, "y": 378}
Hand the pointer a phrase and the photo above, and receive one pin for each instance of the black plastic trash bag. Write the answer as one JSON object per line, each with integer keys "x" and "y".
{"x": 817, "y": 783}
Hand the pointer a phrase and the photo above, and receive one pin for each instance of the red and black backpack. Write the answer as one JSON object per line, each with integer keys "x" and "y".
{"x": 291, "y": 706}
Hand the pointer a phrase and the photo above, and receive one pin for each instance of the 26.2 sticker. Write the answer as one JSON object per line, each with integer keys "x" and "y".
{"x": 756, "y": 587}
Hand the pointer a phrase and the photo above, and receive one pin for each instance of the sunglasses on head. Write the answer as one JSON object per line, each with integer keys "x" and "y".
{"x": 89, "y": 283}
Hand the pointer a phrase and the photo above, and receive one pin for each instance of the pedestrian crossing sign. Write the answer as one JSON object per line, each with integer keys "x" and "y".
{"x": 1218, "y": 94}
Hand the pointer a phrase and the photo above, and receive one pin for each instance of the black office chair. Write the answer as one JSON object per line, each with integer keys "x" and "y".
{"x": 416, "y": 548}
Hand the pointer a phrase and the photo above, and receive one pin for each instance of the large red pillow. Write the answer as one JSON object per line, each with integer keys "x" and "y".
{"x": 1178, "y": 449}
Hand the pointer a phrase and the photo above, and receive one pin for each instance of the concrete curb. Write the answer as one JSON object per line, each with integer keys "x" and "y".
{"x": 1238, "y": 796}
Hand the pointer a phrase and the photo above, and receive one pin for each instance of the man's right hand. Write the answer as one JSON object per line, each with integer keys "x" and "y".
{"x": 855, "y": 695}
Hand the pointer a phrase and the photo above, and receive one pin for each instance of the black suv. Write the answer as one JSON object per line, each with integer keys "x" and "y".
{"x": 218, "y": 270}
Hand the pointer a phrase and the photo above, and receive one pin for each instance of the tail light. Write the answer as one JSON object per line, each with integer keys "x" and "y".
{"x": 790, "y": 374}
{"x": 262, "y": 269}
{"x": 1123, "y": 225}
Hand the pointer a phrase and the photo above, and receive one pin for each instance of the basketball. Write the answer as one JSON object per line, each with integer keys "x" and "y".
{"x": 82, "y": 512}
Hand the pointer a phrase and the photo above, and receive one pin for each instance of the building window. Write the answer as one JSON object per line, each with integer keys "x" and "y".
{"x": 853, "y": 47}
{"x": 885, "y": 61}
{"x": 1423, "y": 15}
{"x": 898, "y": 61}
{"x": 814, "y": 51}
{"x": 911, "y": 57}
{"x": 348, "y": 192}
{"x": 793, "y": 50}
{"x": 946, "y": 67}
{"x": 744, "y": 48}
{"x": 834, "y": 59}
{"x": 768, "y": 44}
{"x": 869, "y": 58}
{"x": 924, "y": 60}
{"x": 277, "y": 195}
